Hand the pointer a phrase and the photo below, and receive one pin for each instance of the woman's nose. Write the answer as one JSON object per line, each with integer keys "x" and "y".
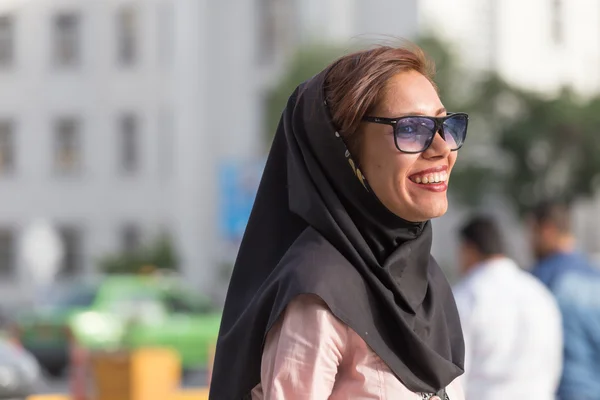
{"x": 438, "y": 148}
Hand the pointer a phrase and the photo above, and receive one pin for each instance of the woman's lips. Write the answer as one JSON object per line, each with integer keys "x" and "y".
{"x": 432, "y": 187}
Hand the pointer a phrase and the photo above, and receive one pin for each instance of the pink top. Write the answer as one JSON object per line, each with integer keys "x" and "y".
{"x": 311, "y": 355}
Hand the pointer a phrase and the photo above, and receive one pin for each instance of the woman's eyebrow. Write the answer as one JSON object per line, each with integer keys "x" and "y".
{"x": 438, "y": 112}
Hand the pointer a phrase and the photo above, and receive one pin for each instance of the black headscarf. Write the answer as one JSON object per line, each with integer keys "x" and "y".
{"x": 315, "y": 228}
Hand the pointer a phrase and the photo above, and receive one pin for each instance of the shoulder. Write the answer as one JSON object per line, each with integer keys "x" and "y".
{"x": 578, "y": 286}
{"x": 307, "y": 317}
{"x": 538, "y": 295}
{"x": 307, "y": 338}
{"x": 308, "y": 305}
{"x": 473, "y": 286}
{"x": 550, "y": 268}
{"x": 302, "y": 351}
{"x": 533, "y": 283}
{"x": 560, "y": 263}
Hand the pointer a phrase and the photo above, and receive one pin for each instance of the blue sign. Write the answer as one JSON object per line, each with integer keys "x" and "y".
{"x": 238, "y": 181}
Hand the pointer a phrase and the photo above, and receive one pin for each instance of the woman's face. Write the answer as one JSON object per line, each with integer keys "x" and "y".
{"x": 392, "y": 174}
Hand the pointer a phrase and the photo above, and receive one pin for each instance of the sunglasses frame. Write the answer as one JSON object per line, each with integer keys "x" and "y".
{"x": 439, "y": 127}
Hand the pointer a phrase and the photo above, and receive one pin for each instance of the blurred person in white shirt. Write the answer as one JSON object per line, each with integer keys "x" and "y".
{"x": 511, "y": 323}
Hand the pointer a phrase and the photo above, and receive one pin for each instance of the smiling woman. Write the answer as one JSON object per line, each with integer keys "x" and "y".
{"x": 398, "y": 111}
{"x": 334, "y": 293}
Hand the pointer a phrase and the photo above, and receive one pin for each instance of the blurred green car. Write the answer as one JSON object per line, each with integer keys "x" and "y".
{"x": 120, "y": 312}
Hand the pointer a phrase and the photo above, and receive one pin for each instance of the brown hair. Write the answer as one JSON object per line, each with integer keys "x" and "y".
{"x": 355, "y": 84}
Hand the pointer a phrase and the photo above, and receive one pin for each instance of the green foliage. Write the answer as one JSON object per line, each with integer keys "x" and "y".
{"x": 524, "y": 146}
{"x": 448, "y": 76}
{"x": 552, "y": 147}
{"x": 470, "y": 183}
{"x": 159, "y": 254}
{"x": 307, "y": 62}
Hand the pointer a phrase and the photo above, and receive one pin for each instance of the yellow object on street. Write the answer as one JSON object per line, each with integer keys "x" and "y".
{"x": 48, "y": 397}
{"x": 188, "y": 394}
{"x": 144, "y": 374}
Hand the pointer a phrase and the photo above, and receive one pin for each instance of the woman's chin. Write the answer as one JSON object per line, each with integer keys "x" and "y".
{"x": 424, "y": 209}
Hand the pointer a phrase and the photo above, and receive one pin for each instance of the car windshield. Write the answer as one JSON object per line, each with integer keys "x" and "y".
{"x": 74, "y": 295}
{"x": 181, "y": 302}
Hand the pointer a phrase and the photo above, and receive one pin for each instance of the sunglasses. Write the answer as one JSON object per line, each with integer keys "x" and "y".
{"x": 414, "y": 134}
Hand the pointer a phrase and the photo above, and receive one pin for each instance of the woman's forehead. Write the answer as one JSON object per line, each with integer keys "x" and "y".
{"x": 411, "y": 93}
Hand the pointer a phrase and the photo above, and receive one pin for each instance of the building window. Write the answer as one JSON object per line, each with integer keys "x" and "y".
{"x": 127, "y": 36}
{"x": 7, "y": 252}
{"x": 7, "y": 147}
{"x": 128, "y": 143}
{"x": 131, "y": 238}
{"x": 267, "y": 31}
{"x": 166, "y": 34}
{"x": 67, "y": 146}
{"x": 166, "y": 144}
{"x": 7, "y": 31}
{"x": 556, "y": 22}
{"x": 66, "y": 39}
{"x": 72, "y": 241}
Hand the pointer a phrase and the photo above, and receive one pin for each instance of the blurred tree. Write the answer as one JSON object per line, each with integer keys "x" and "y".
{"x": 159, "y": 254}
{"x": 525, "y": 146}
{"x": 307, "y": 61}
{"x": 552, "y": 145}
{"x": 448, "y": 75}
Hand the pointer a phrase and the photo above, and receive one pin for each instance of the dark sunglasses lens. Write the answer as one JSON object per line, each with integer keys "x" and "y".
{"x": 455, "y": 131}
{"x": 413, "y": 134}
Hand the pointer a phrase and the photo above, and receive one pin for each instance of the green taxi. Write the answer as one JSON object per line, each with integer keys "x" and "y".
{"x": 120, "y": 312}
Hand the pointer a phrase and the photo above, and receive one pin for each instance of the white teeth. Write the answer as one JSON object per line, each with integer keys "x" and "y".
{"x": 432, "y": 178}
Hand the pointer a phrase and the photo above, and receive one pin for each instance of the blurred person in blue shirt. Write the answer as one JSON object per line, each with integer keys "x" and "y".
{"x": 511, "y": 323}
{"x": 575, "y": 284}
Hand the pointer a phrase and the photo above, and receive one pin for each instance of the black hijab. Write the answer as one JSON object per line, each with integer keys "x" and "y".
{"x": 315, "y": 228}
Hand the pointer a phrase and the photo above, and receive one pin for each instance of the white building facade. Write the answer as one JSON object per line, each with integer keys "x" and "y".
{"x": 346, "y": 21}
{"x": 114, "y": 118}
{"x": 115, "y": 115}
{"x": 541, "y": 45}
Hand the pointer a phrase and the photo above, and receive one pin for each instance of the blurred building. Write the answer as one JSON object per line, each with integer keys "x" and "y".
{"x": 123, "y": 118}
{"x": 542, "y": 45}
{"x": 115, "y": 116}
{"x": 344, "y": 21}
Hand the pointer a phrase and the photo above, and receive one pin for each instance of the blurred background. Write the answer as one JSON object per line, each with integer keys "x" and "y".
{"x": 133, "y": 134}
